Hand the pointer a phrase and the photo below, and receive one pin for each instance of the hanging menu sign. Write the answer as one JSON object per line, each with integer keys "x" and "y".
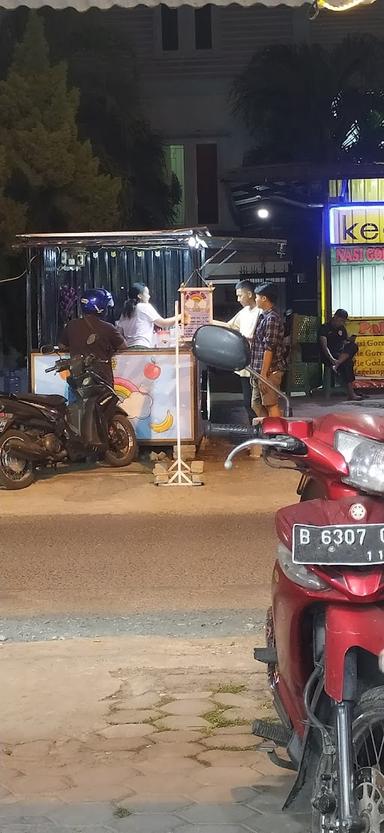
{"x": 196, "y": 308}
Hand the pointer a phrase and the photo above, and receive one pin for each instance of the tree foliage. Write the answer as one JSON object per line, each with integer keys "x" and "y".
{"x": 50, "y": 174}
{"x": 12, "y": 213}
{"x": 102, "y": 65}
{"x": 306, "y": 103}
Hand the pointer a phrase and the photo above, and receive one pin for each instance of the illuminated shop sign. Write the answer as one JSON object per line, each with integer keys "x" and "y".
{"x": 356, "y": 254}
{"x": 350, "y": 225}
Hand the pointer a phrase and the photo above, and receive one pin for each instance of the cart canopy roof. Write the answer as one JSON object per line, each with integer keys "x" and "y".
{"x": 85, "y": 5}
{"x": 199, "y": 238}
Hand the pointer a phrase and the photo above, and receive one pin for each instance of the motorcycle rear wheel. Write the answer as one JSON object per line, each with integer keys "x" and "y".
{"x": 15, "y": 473}
{"x": 368, "y": 757}
{"x": 122, "y": 442}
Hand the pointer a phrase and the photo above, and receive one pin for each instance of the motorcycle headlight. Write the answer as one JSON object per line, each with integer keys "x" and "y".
{"x": 365, "y": 460}
{"x": 298, "y": 573}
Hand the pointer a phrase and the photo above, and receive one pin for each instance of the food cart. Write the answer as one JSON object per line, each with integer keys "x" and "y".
{"x": 61, "y": 267}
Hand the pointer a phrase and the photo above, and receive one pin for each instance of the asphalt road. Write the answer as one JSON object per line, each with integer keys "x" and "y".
{"x": 102, "y": 552}
{"x": 91, "y": 564}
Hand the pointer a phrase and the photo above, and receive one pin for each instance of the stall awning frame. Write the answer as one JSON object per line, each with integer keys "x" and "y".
{"x": 115, "y": 260}
{"x": 85, "y": 5}
{"x": 149, "y": 240}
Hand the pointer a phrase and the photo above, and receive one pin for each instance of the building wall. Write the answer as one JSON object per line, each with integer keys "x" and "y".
{"x": 186, "y": 92}
{"x": 359, "y": 289}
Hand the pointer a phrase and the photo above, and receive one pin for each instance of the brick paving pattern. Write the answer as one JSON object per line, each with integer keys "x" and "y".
{"x": 179, "y": 761}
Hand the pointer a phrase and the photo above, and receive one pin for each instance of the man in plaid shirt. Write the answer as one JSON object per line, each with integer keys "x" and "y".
{"x": 267, "y": 353}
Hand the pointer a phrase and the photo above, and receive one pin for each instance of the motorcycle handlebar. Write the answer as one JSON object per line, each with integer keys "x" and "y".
{"x": 283, "y": 443}
{"x": 245, "y": 432}
{"x": 63, "y": 364}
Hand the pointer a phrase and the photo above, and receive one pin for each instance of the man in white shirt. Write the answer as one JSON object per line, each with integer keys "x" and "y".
{"x": 245, "y": 322}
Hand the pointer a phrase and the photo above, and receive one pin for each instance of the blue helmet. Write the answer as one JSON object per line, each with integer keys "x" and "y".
{"x": 96, "y": 301}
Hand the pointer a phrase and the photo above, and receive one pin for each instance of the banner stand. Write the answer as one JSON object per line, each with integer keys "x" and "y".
{"x": 179, "y": 472}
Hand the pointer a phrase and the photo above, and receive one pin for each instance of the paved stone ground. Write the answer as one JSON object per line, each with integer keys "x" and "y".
{"x": 174, "y": 755}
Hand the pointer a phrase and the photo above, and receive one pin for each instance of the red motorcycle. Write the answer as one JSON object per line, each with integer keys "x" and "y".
{"x": 342, "y": 453}
{"x": 325, "y": 629}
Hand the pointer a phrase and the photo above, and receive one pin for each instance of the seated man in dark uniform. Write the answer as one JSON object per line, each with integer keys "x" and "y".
{"x": 338, "y": 351}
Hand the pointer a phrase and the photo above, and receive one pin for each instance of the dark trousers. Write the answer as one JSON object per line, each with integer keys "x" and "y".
{"x": 346, "y": 369}
{"x": 247, "y": 396}
{"x": 346, "y": 372}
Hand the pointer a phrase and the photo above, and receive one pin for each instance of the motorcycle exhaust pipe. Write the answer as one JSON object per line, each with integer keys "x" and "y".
{"x": 32, "y": 451}
{"x": 27, "y": 450}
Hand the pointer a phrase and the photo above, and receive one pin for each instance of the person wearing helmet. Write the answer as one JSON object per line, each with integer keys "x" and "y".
{"x": 90, "y": 335}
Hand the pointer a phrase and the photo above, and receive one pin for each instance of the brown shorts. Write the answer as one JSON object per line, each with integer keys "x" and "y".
{"x": 262, "y": 395}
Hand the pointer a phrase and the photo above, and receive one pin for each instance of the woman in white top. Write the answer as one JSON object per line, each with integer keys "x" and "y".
{"x": 139, "y": 317}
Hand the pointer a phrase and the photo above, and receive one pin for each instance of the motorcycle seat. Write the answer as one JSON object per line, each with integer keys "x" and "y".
{"x": 50, "y": 400}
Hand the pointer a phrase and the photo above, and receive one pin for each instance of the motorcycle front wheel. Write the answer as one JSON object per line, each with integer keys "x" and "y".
{"x": 15, "y": 473}
{"x": 368, "y": 762}
{"x": 123, "y": 446}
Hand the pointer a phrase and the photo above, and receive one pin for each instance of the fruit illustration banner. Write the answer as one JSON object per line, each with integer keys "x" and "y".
{"x": 196, "y": 308}
{"x": 146, "y": 385}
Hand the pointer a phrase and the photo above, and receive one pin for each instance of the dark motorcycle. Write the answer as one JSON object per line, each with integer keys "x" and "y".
{"x": 37, "y": 431}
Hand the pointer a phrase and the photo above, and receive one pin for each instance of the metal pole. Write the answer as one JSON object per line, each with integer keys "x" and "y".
{"x": 282, "y": 395}
{"x": 177, "y": 367}
{"x": 181, "y": 475}
{"x": 28, "y": 310}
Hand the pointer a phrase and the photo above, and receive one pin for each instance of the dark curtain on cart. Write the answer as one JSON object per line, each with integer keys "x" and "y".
{"x": 116, "y": 270}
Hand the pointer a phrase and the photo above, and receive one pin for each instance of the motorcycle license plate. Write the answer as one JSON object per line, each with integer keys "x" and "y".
{"x": 358, "y": 546}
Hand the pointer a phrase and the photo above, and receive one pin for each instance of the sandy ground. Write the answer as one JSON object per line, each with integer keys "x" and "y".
{"x": 77, "y": 722}
{"x": 108, "y": 542}
{"x": 66, "y": 685}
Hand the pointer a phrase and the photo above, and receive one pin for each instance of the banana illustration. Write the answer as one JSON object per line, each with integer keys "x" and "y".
{"x": 165, "y": 425}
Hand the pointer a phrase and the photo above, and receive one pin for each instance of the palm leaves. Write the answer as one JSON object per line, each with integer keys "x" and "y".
{"x": 307, "y": 103}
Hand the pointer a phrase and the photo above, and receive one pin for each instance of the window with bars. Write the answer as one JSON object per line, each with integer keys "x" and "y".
{"x": 206, "y": 183}
{"x": 169, "y": 29}
{"x": 203, "y": 27}
{"x": 175, "y": 162}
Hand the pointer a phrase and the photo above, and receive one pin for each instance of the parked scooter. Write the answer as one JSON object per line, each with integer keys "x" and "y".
{"x": 325, "y": 629}
{"x": 329, "y": 451}
{"x": 38, "y": 431}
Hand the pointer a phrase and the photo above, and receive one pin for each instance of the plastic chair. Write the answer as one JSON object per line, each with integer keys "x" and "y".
{"x": 303, "y": 365}
{"x": 331, "y": 383}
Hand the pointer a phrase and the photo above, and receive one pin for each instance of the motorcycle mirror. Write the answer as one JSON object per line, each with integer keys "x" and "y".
{"x": 220, "y": 347}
